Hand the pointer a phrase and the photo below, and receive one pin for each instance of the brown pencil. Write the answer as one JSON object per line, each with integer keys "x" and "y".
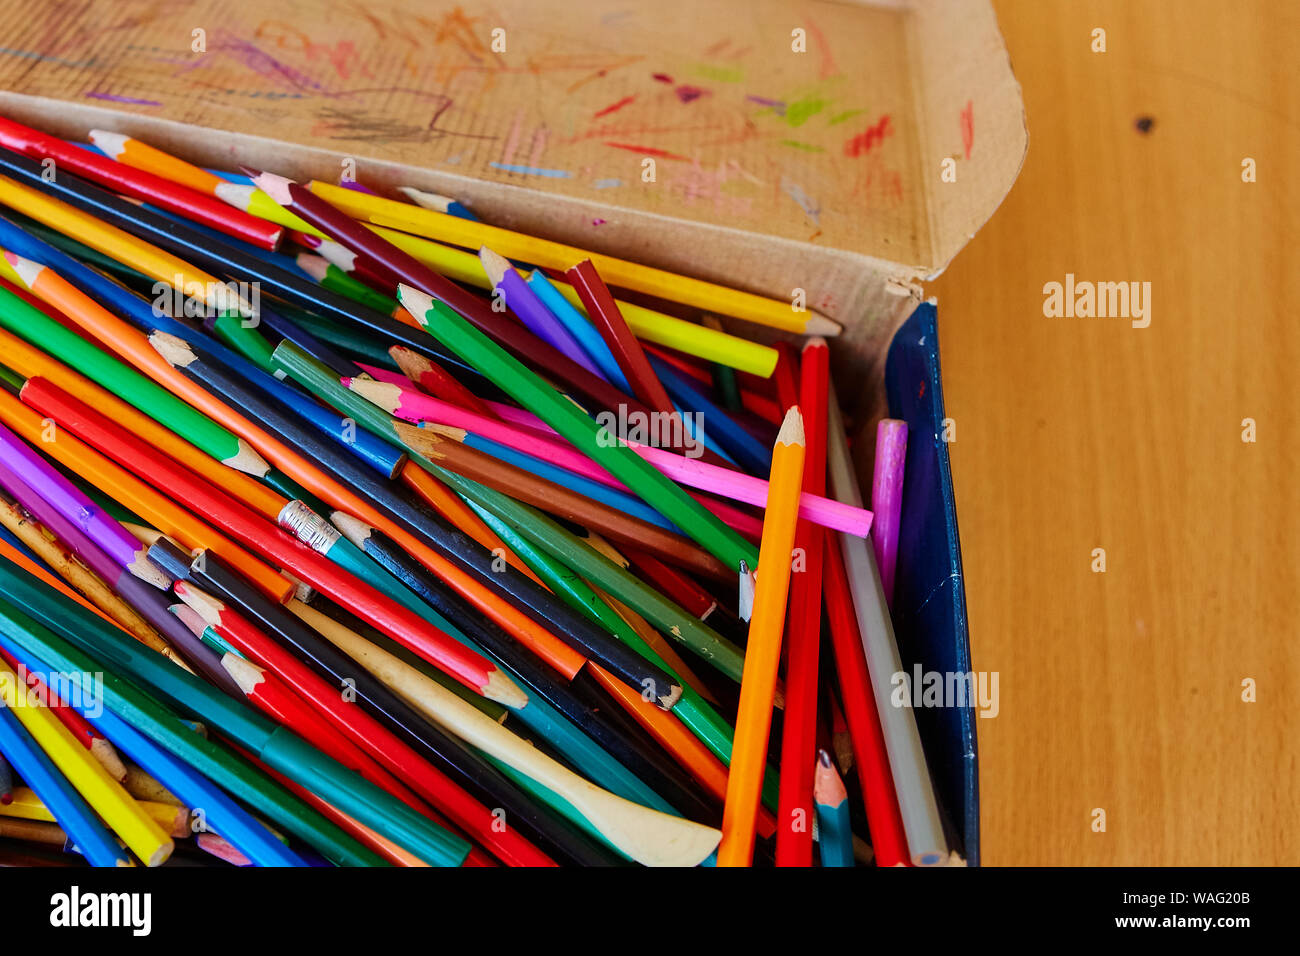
{"x": 540, "y": 493}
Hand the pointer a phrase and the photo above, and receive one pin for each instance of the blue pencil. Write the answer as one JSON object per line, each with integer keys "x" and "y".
{"x": 586, "y": 334}
{"x": 6, "y": 782}
{"x": 834, "y": 831}
{"x": 70, "y": 810}
{"x": 747, "y": 450}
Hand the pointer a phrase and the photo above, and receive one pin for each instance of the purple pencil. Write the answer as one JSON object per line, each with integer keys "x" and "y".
{"x": 68, "y": 500}
{"x": 887, "y": 498}
{"x": 532, "y": 311}
{"x": 149, "y": 603}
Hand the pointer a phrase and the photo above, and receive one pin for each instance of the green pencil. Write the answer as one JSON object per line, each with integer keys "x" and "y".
{"x": 30, "y": 323}
{"x": 590, "y": 438}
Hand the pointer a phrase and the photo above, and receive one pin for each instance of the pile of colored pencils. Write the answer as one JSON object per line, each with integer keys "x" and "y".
{"x": 331, "y": 533}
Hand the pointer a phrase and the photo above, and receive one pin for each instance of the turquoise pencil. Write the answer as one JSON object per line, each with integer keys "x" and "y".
{"x": 580, "y": 328}
{"x": 834, "y": 832}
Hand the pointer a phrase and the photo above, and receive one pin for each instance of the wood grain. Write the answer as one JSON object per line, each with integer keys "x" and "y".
{"x": 1122, "y": 690}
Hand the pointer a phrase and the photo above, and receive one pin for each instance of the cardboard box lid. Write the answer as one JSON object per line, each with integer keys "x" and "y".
{"x": 773, "y": 168}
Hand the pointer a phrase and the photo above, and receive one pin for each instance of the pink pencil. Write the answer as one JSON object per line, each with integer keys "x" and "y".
{"x": 723, "y": 482}
{"x": 385, "y": 375}
{"x": 887, "y": 498}
{"x": 414, "y": 406}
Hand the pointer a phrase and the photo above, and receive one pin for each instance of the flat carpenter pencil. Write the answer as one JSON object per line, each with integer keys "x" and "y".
{"x": 763, "y": 653}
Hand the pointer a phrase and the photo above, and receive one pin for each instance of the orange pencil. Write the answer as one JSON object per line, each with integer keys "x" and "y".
{"x": 763, "y": 652}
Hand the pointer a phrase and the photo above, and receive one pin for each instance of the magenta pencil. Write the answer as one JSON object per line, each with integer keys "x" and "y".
{"x": 69, "y": 501}
{"x": 385, "y": 375}
{"x": 532, "y": 311}
{"x": 887, "y": 498}
{"x": 693, "y": 473}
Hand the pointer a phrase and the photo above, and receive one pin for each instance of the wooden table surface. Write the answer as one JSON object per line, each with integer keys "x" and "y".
{"x": 1123, "y": 690}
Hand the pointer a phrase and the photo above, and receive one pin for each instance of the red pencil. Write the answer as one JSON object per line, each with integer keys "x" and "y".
{"x": 799, "y": 731}
{"x": 476, "y": 820}
{"x": 432, "y": 378}
{"x": 187, "y": 488}
{"x": 888, "y": 838}
{"x": 137, "y": 183}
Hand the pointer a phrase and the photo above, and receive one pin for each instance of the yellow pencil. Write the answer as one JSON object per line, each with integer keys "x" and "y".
{"x": 133, "y": 823}
{"x": 763, "y": 652}
{"x": 115, "y": 243}
{"x": 469, "y": 234}
{"x": 648, "y": 324}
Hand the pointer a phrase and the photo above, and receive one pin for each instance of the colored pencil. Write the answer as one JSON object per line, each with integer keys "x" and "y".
{"x": 925, "y": 840}
{"x": 434, "y": 379}
{"x": 835, "y": 835}
{"x": 750, "y": 453}
{"x": 436, "y": 202}
{"x": 520, "y": 298}
{"x": 140, "y": 237}
{"x": 74, "y": 505}
{"x": 558, "y": 412}
{"x": 538, "y": 682}
{"x": 153, "y": 507}
{"x": 421, "y": 755}
{"x": 554, "y": 255}
{"x": 580, "y": 328}
{"x": 649, "y": 837}
{"x": 803, "y": 645}
{"x": 524, "y": 591}
{"x": 117, "y": 377}
{"x": 887, "y": 498}
{"x": 119, "y": 810}
{"x": 530, "y": 489}
{"x": 137, "y": 183}
{"x": 618, "y": 338}
{"x": 253, "y": 531}
{"x": 413, "y": 406}
{"x": 332, "y": 277}
{"x": 140, "y": 155}
{"x": 69, "y": 809}
{"x": 147, "y": 601}
{"x": 95, "y": 588}
{"x": 429, "y": 538}
{"x": 763, "y": 652}
{"x": 648, "y": 324}
{"x": 78, "y": 632}
{"x": 6, "y": 781}
{"x": 187, "y": 788}
{"x": 85, "y": 735}
{"x": 514, "y": 337}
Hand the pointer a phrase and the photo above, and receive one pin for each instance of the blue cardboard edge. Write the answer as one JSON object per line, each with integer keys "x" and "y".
{"x": 929, "y": 610}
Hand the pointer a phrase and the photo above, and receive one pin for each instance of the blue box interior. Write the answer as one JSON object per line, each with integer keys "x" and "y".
{"x": 929, "y": 610}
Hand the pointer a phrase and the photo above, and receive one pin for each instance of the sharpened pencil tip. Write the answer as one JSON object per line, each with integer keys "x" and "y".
{"x": 274, "y": 185}
{"x": 414, "y": 301}
{"x": 496, "y": 266}
{"x": 110, "y": 144}
{"x": 818, "y": 324}
{"x": 791, "y": 432}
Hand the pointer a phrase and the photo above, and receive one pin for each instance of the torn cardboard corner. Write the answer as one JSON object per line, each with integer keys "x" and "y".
{"x": 848, "y": 150}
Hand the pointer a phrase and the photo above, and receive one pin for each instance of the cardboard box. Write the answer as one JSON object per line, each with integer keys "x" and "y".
{"x": 848, "y": 150}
